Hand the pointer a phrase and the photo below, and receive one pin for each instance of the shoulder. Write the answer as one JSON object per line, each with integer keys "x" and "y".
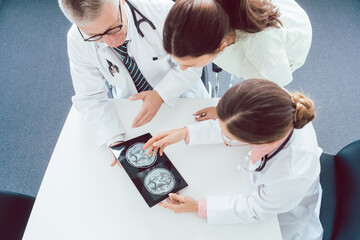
{"x": 294, "y": 22}
{"x": 294, "y": 19}
{"x": 74, "y": 38}
{"x": 300, "y": 158}
{"x": 265, "y": 52}
{"x": 305, "y": 138}
{"x": 268, "y": 44}
{"x": 269, "y": 37}
{"x": 305, "y": 153}
{"x": 78, "y": 50}
{"x": 287, "y": 7}
{"x": 73, "y": 33}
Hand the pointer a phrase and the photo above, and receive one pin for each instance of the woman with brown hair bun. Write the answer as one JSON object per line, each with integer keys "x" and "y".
{"x": 283, "y": 159}
{"x": 247, "y": 38}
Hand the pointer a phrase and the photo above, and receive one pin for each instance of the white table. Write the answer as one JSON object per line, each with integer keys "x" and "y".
{"x": 81, "y": 197}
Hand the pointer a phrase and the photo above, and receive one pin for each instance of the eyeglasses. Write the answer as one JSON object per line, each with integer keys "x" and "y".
{"x": 230, "y": 142}
{"x": 110, "y": 31}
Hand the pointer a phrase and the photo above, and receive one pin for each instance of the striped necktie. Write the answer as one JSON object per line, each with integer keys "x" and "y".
{"x": 139, "y": 80}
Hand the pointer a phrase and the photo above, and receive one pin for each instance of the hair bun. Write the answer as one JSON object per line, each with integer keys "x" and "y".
{"x": 304, "y": 110}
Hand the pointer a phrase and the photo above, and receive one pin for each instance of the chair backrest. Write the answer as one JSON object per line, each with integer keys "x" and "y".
{"x": 347, "y": 170}
{"x": 205, "y": 78}
{"x": 328, "y": 201}
{"x": 15, "y": 210}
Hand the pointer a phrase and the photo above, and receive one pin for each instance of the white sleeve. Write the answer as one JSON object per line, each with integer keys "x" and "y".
{"x": 263, "y": 204}
{"x": 206, "y": 132}
{"x": 279, "y": 196}
{"x": 91, "y": 98}
{"x": 176, "y": 82}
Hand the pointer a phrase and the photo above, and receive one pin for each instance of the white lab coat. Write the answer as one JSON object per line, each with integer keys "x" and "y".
{"x": 89, "y": 71}
{"x": 274, "y": 53}
{"x": 288, "y": 187}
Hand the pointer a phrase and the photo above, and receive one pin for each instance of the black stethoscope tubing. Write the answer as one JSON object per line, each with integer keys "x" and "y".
{"x": 267, "y": 157}
{"x": 138, "y": 22}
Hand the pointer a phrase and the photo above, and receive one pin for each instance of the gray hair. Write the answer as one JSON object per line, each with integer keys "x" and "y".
{"x": 83, "y": 11}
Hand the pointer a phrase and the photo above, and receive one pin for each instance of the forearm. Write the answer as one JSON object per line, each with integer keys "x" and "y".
{"x": 206, "y": 132}
{"x": 175, "y": 83}
{"x": 264, "y": 203}
{"x": 101, "y": 117}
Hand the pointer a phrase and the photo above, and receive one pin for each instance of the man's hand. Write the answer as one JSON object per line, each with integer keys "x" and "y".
{"x": 151, "y": 105}
{"x": 180, "y": 204}
{"x": 114, "y": 161}
{"x": 206, "y": 114}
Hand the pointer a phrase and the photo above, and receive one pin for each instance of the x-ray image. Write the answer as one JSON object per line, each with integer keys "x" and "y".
{"x": 159, "y": 181}
{"x": 154, "y": 177}
{"x": 136, "y": 156}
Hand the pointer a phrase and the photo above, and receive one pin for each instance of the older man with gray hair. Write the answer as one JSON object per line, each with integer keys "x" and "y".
{"x": 121, "y": 43}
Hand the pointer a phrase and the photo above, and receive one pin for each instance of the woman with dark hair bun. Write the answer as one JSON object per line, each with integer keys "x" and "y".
{"x": 247, "y": 38}
{"x": 283, "y": 159}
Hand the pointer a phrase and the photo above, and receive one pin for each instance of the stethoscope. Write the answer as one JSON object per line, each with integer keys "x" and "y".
{"x": 267, "y": 157}
{"x": 112, "y": 67}
{"x": 143, "y": 19}
{"x": 137, "y": 22}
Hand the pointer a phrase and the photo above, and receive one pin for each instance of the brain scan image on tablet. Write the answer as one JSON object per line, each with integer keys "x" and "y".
{"x": 154, "y": 177}
{"x": 159, "y": 181}
{"x": 136, "y": 156}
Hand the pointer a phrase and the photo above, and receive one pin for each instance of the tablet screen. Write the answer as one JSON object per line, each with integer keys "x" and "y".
{"x": 154, "y": 177}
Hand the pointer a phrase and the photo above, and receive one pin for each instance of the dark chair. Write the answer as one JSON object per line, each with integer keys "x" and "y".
{"x": 205, "y": 79}
{"x": 212, "y": 90}
{"x": 340, "y": 206}
{"x": 15, "y": 210}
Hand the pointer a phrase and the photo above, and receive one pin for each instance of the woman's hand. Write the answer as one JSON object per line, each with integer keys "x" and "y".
{"x": 164, "y": 139}
{"x": 180, "y": 204}
{"x": 206, "y": 114}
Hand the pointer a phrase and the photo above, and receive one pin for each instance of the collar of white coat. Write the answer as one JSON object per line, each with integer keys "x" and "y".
{"x": 258, "y": 151}
{"x": 130, "y": 28}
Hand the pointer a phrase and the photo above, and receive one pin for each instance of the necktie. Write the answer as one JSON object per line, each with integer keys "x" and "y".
{"x": 139, "y": 80}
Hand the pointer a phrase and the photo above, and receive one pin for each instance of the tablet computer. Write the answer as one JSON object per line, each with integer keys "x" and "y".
{"x": 154, "y": 177}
